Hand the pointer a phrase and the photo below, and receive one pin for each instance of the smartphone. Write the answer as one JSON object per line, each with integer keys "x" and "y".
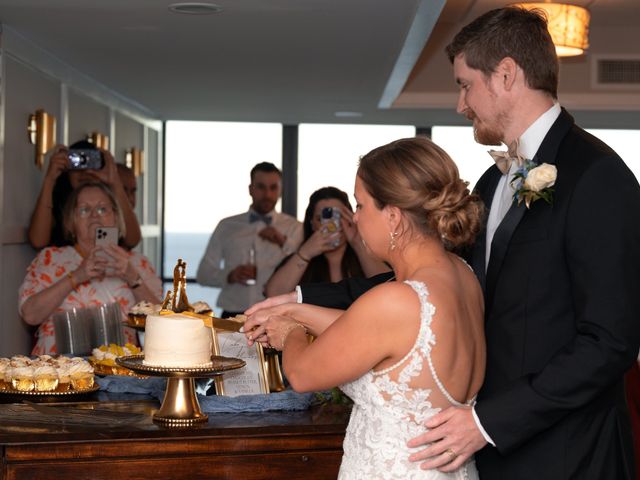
{"x": 106, "y": 236}
{"x": 85, "y": 159}
{"x": 330, "y": 220}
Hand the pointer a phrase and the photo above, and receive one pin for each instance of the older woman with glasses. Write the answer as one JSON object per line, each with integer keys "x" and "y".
{"x": 84, "y": 275}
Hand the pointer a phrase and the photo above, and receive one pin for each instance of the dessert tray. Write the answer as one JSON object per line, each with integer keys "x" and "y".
{"x": 102, "y": 369}
{"x": 180, "y": 407}
{"x": 33, "y": 393}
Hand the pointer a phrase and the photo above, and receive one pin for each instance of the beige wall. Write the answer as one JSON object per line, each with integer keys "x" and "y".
{"x": 32, "y": 79}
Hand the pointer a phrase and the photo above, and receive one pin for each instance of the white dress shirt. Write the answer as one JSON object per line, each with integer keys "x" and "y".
{"x": 229, "y": 247}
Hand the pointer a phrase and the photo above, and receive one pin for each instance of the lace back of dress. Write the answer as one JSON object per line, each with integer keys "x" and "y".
{"x": 414, "y": 378}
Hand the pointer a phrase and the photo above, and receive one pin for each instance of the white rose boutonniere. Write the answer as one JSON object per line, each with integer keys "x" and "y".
{"x": 534, "y": 182}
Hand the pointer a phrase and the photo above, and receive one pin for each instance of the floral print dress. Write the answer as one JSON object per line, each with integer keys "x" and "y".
{"x": 53, "y": 264}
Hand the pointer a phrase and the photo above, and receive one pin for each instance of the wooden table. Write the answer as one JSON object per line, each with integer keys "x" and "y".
{"x": 116, "y": 440}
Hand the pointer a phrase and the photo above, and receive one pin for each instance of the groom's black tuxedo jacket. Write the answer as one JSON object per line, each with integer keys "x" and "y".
{"x": 562, "y": 317}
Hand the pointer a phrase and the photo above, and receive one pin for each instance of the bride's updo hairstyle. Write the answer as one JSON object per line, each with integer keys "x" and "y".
{"x": 417, "y": 176}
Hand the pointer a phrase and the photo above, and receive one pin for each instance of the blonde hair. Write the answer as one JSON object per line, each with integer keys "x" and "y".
{"x": 417, "y": 176}
{"x": 72, "y": 203}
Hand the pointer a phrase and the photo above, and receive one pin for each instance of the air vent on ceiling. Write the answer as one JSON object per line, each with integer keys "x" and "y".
{"x": 616, "y": 72}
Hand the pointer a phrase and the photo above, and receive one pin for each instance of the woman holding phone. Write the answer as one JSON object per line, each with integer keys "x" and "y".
{"x": 85, "y": 274}
{"x": 331, "y": 250}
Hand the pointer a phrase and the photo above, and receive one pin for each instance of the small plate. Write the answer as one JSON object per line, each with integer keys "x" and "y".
{"x": 11, "y": 391}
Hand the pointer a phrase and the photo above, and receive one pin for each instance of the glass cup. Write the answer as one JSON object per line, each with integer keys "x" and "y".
{"x": 74, "y": 331}
{"x": 107, "y": 324}
{"x": 252, "y": 264}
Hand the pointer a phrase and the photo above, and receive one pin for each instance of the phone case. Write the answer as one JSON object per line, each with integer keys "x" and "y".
{"x": 107, "y": 236}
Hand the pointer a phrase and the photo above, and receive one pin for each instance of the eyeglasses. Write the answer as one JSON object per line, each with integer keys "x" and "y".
{"x": 100, "y": 211}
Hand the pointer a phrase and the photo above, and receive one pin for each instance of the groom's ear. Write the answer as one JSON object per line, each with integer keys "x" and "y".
{"x": 507, "y": 70}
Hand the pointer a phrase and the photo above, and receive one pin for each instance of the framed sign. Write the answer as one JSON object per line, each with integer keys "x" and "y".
{"x": 251, "y": 379}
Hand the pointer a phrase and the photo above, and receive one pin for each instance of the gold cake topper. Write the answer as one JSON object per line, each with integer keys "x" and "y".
{"x": 176, "y": 301}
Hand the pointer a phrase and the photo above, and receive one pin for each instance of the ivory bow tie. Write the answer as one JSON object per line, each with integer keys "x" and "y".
{"x": 505, "y": 159}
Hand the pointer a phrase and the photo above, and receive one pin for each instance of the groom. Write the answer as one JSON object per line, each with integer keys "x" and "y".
{"x": 561, "y": 276}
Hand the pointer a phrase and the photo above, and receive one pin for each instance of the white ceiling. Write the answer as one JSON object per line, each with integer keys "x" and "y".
{"x": 287, "y": 61}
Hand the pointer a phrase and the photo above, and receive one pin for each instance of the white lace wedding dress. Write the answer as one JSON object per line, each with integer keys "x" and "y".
{"x": 390, "y": 408}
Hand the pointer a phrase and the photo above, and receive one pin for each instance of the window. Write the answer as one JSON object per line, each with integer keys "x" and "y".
{"x": 328, "y": 155}
{"x": 207, "y": 178}
{"x": 625, "y": 144}
{"x": 471, "y": 158}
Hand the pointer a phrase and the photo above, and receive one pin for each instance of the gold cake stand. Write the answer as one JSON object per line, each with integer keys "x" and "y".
{"x": 180, "y": 407}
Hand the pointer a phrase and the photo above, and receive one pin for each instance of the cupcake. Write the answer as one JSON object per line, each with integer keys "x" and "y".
{"x": 138, "y": 313}
{"x": 202, "y": 308}
{"x": 4, "y": 365}
{"x": 45, "y": 378}
{"x": 22, "y": 378}
{"x": 81, "y": 374}
{"x": 64, "y": 376}
{"x": 104, "y": 358}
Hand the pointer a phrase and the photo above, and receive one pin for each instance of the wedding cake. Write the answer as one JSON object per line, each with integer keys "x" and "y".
{"x": 176, "y": 340}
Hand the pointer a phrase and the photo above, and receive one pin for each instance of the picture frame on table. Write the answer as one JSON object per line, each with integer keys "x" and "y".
{"x": 252, "y": 378}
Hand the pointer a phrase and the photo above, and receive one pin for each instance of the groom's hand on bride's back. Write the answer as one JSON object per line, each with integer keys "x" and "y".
{"x": 452, "y": 438}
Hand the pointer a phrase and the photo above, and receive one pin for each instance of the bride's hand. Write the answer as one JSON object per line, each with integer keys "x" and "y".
{"x": 277, "y": 328}
{"x": 254, "y": 328}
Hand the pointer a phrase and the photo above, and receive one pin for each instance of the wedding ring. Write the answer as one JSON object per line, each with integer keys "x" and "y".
{"x": 451, "y": 454}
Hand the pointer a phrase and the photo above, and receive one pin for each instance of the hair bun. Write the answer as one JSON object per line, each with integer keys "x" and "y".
{"x": 455, "y": 214}
{"x": 419, "y": 177}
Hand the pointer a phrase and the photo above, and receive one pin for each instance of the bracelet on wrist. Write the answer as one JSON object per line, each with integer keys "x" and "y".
{"x": 302, "y": 257}
{"x": 289, "y": 329}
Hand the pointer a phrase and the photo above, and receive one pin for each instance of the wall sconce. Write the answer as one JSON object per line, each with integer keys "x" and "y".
{"x": 99, "y": 140}
{"x": 42, "y": 132}
{"x": 568, "y": 26}
{"x": 133, "y": 159}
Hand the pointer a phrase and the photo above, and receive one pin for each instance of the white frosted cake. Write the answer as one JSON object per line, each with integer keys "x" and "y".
{"x": 176, "y": 340}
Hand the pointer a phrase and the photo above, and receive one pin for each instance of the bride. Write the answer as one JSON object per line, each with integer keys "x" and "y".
{"x": 406, "y": 349}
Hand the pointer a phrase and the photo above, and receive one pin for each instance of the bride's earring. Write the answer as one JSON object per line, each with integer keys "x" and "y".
{"x": 392, "y": 240}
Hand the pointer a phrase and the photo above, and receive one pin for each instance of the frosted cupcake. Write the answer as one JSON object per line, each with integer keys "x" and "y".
{"x": 81, "y": 374}
{"x": 22, "y": 379}
{"x": 138, "y": 313}
{"x": 202, "y": 308}
{"x": 64, "y": 376}
{"x": 45, "y": 378}
{"x": 4, "y": 365}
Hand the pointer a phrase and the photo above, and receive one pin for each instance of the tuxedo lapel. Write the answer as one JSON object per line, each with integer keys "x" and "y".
{"x": 486, "y": 188}
{"x": 500, "y": 245}
{"x": 548, "y": 150}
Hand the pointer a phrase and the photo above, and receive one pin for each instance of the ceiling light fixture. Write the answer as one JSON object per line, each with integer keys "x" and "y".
{"x": 568, "y": 26}
{"x": 195, "y": 8}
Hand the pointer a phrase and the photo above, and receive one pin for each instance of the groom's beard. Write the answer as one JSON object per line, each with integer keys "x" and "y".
{"x": 483, "y": 133}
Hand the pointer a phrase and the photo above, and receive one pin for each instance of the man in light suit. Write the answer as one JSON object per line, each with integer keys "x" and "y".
{"x": 561, "y": 276}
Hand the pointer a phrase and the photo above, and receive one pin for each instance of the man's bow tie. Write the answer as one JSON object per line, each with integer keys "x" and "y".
{"x": 505, "y": 159}
{"x": 256, "y": 217}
